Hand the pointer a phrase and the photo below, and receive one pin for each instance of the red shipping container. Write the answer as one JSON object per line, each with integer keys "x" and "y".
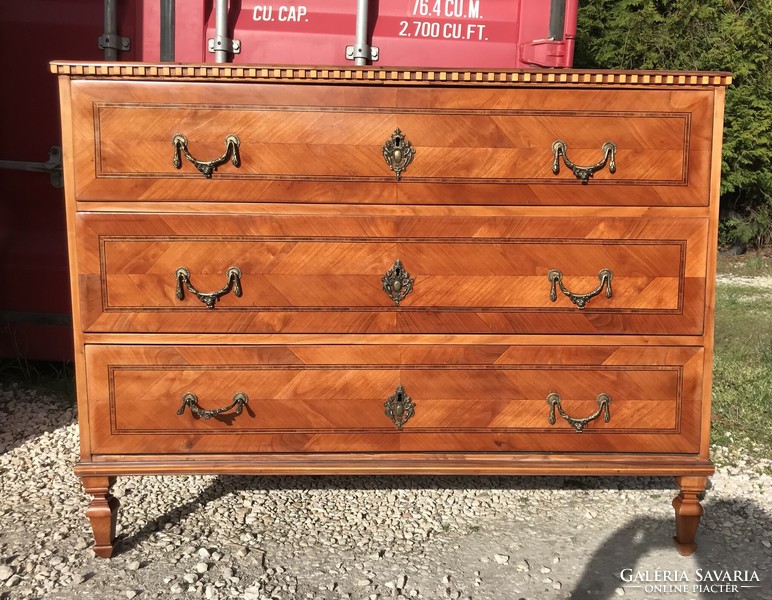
{"x": 34, "y": 319}
{"x": 35, "y": 308}
{"x": 426, "y": 33}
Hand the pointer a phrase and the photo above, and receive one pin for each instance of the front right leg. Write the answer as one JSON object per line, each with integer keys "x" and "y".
{"x": 688, "y": 511}
{"x": 103, "y": 513}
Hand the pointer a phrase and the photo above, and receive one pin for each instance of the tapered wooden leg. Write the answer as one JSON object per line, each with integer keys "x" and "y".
{"x": 688, "y": 511}
{"x": 102, "y": 512}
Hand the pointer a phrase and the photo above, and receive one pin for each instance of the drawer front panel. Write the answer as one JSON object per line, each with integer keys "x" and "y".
{"x": 326, "y": 144}
{"x": 303, "y": 280}
{"x": 332, "y": 399}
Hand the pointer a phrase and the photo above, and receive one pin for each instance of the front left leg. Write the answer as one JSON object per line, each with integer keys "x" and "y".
{"x": 103, "y": 513}
{"x": 688, "y": 511}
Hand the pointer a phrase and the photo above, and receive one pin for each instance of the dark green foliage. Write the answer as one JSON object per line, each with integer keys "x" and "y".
{"x": 705, "y": 35}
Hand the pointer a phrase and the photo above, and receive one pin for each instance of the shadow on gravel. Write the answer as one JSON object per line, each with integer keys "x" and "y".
{"x": 226, "y": 484}
{"x": 28, "y": 409}
{"x": 729, "y": 538}
{"x": 716, "y": 559}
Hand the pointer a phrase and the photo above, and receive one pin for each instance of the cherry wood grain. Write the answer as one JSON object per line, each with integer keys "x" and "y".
{"x": 102, "y": 513}
{"x": 379, "y": 211}
{"x": 326, "y": 339}
{"x": 429, "y": 76}
{"x": 688, "y": 512}
{"x": 305, "y": 273}
{"x": 68, "y": 170}
{"x": 314, "y": 218}
{"x": 324, "y": 144}
{"x": 712, "y": 242}
{"x": 399, "y": 463}
{"x": 325, "y": 399}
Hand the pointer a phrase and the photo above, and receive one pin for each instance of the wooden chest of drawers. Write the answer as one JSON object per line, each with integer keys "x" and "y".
{"x": 307, "y": 270}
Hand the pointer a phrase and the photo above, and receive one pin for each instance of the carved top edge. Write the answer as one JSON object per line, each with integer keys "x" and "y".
{"x": 381, "y": 75}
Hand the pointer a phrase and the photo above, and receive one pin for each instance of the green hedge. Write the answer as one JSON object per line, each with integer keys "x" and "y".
{"x": 707, "y": 35}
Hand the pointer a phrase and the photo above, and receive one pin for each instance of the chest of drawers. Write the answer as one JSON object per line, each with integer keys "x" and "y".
{"x": 364, "y": 271}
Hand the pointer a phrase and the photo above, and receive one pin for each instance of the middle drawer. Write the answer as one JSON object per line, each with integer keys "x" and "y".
{"x": 391, "y": 274}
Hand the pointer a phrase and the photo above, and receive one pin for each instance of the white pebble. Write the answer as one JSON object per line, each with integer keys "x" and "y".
{"x": 133, "y": 565}
{"x": 252, "y": 593}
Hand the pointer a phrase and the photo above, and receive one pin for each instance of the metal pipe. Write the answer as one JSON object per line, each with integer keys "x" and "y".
{"x": 361, "y": 49}
{"x": 167, "y": 30}
{"x": 220, "y": 31}
{"x": 557, "y": 19}
{"x": 111, "y": 29}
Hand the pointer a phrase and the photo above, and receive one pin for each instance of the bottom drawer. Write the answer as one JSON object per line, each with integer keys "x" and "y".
{"x": 392, "y": 398}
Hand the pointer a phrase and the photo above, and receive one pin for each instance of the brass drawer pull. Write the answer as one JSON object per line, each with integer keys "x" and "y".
{"x": 397, "y": 282}
{"x": 398, "y": 153}
{"x": 191, "y": 400}
{"x": 556, "y": 277}
{"x": 207, "y": 167}
{"x": 234, "y": 282}
{"x": 399, "y": 407}
{"x": 603, "y": 401}
{"x": 609, "y": 150}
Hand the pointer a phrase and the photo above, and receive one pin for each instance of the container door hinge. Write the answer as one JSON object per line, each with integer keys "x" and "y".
{"x": 547, "y": 53}
{"x": 53, "y": 166}
{"x": 114, "y": 42}
{"x": 221, "y": 43}
{"x": 371, "y": 53}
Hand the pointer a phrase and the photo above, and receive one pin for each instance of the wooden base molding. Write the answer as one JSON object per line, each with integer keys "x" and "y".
{"x": 436, "y": 463}
{"x": 103, "y": 510}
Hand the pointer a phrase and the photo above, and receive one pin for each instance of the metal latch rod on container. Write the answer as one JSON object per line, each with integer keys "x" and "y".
{"x": 557, "y": 19}
{"x": 110, "y": 41}
{"x": 221, "y": 44}
{"x": 361, "y": 51}
{"x": 167, "y": 30}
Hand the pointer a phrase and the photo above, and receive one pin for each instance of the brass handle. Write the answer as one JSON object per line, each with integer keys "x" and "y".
{"x": 603, "y": 401}
{"x": 397, "y": 282}
{"x": 556, "y": 277}
{"x": 191, "y": 400}
{"x": 399, "y": 407}
{"x": 232, "y": 143}
{"x": 398, "y": 153}
{"x": 609, "y": 150}
{"x": 234, "y": 282}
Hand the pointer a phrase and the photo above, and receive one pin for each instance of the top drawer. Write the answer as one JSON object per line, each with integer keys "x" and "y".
{"x": 327, "y": 144}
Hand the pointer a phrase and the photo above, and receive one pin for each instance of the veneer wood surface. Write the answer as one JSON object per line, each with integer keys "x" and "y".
{"x": 313, "y": 217}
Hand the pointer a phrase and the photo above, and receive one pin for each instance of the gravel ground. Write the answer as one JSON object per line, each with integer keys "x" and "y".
{"x": 363, "y": 538}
